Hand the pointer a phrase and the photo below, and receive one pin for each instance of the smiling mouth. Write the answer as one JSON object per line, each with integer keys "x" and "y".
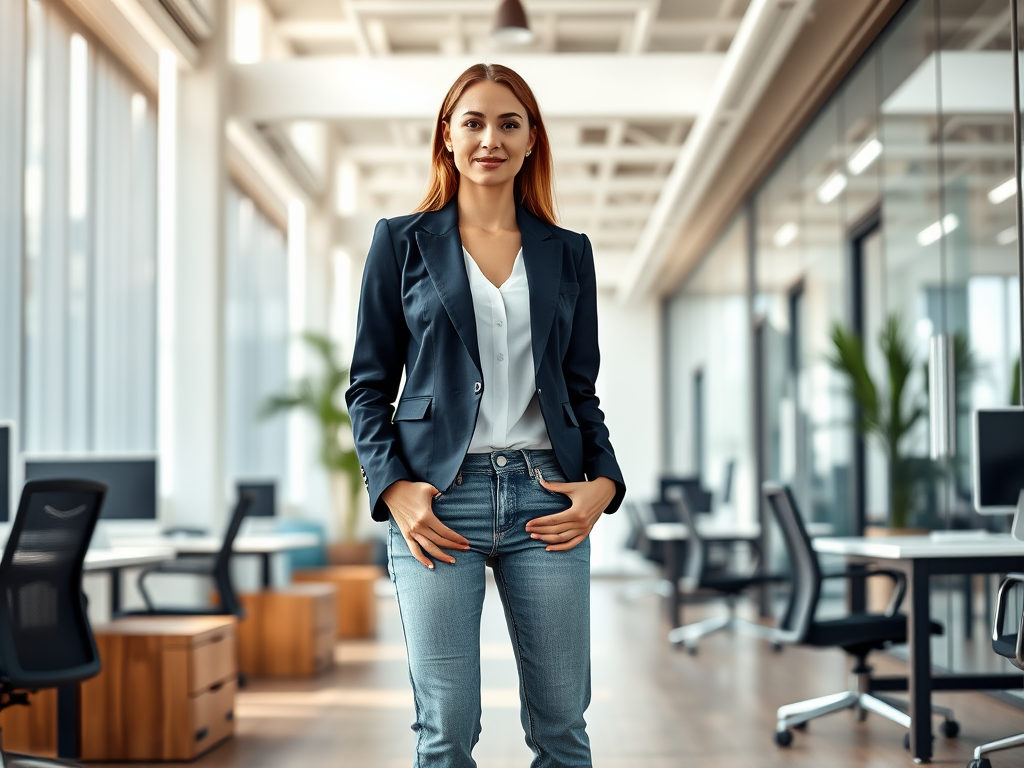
{"x": 492, "y": 161}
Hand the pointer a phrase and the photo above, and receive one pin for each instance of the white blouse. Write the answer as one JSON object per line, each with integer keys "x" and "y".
{"x": 509, "y": 415}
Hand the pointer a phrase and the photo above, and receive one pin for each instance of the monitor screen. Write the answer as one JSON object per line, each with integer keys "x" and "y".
{"x": 998, "y": 459}
{"x": 132, "y": 482}
{"x": 266, "y": 501}
{"x": 6, "y": 471}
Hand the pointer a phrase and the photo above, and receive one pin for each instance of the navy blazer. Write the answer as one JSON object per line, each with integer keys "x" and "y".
{"x": 416, "y": 314}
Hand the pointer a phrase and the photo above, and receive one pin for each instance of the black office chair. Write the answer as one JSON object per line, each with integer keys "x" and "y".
{"x": 857, "y": 634}
{"x": 216, "y": 567}
{"x": 698, "y": 578}
{"x": 640, "y": 515}
{"x": 45, "y": 637}
{"x": 1009, "y": 645}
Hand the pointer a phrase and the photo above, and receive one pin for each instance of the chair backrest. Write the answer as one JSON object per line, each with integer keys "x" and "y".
{"x": 693, "y": 564}
{"x": 806, "y": 585}
{"x": 670, "y": 487}
{"x": 45, "y": 636}
{"x": 242, "y": 507}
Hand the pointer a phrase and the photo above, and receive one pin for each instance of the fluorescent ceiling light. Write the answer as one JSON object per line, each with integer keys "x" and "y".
{"x": 865, "y": 155}
{"x": 831, "y": 187}
{"x": 1004, "y": 191}
{"x": 786, "y": 234}
{"x": 1007, "y": 236}
{"x": 933, "y": 232}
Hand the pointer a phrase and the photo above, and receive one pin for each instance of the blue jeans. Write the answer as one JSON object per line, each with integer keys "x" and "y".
{"x": 546, "y": 597}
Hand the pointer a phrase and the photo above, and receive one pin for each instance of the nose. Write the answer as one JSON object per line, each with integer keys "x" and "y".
{"x": 490, "y": 139}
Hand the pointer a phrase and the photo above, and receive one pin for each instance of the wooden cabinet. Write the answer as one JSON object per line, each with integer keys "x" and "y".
{"x": 288, "y": 632}
{"x": 356, "y": 601}
{"x": 32, "y": 729}
{"x": 167, "y": 689}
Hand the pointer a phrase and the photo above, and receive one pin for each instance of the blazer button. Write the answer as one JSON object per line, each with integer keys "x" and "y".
{"x": 477, "y": 387}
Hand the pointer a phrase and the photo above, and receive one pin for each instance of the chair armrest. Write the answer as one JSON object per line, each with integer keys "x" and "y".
{"x": 1011, "y": 580}
{"x": 899, "y": 579}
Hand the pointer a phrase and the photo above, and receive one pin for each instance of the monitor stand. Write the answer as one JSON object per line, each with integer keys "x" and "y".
{"x": 1017, "y": 528}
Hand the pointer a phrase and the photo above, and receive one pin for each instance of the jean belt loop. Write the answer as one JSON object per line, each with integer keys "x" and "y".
{"x": 529, "y": 464}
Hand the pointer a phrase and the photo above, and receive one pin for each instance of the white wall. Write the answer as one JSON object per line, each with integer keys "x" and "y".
{"x": 630, "y": 388}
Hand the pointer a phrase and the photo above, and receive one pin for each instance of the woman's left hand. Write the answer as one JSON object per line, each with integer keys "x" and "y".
{"x": 564, "y": 530}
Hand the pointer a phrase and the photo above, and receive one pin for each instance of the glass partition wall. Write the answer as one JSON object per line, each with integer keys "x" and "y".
{"x": 890, "y": 219}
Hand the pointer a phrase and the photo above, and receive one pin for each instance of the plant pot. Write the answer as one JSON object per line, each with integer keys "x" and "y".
{"x": 351, "y": 553}
{"x": 879, "y": 590}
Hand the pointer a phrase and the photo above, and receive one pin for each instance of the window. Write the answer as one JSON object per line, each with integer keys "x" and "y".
{"x": 89, "y": 254}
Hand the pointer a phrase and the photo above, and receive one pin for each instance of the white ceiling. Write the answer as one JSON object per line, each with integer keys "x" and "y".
{"x": 633, "y": 76}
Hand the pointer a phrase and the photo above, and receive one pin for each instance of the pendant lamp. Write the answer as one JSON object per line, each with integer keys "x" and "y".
{"x": 510, "y": 25}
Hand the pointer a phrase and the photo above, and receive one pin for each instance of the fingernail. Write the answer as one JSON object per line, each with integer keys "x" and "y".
{"x": 431, "y": 566}
{"x": 534, "y": 536}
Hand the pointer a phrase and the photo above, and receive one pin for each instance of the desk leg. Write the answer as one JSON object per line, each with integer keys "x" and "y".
{"x": 675, "y": 613}
{"x": 265, "y": 568}
{"x": 115, "y": 593}
{"x": 919, "y": 645}
{"x": 69, "y": 742}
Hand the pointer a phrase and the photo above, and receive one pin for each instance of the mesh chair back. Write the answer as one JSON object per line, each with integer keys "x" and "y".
{"x": 45, "y": 637}
{"x": 803, "y": 601}
{"x": 242, "y": 507}
{"x": 693, "y": 565}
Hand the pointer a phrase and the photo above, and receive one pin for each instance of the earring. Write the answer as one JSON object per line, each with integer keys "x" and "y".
{"x": 448, "y": 148}
{"x": 528, "y": 152}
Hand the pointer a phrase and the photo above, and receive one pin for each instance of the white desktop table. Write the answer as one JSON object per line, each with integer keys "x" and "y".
{"x": 261, "y": 545}
{"x": 922, "y": 557}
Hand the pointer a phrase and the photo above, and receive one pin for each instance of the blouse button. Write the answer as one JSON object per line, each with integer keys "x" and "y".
{"x": 500, "y": 357}
{"x": 500, "y": 323}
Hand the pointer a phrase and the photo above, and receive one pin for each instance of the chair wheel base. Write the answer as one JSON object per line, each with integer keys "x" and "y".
{"x": 982, "y": 763}
{"x": 950, "y": 729}
{"x": 691, "y": 648}
{"x": 777, "y": 647}
{"x": 801, "y": 726}
{"x": 784, "y": 738}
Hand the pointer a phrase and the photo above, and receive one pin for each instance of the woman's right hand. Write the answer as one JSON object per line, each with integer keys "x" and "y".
{"x": 411, "y": 506}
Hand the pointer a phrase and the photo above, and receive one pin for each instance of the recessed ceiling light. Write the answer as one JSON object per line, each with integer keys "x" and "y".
{"x": 1007, "y": 236}
{"x": 786, "y": 234}
{"x": 1004, "y": 191}
{"x": 933, "y": 232}
{"x": 865, "y": 155}
{"x": 831, "y": 187}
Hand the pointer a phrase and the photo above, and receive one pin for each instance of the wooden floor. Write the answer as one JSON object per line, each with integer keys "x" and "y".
{"x": 653, "y": 707}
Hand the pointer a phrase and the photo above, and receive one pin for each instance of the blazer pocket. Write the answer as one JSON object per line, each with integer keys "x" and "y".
{"x": 413, "y": 408}
{"x": 569, "y": 289}
{"x": 570, "y": 417}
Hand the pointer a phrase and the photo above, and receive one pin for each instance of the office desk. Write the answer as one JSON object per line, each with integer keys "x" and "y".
{"x": 262, "y": 545}
{"x": 922, "y": 557}
{"x": 674, "y": 535}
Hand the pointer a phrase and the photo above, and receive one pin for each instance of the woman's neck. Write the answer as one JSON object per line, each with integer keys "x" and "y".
{"x": 487, "y": 208}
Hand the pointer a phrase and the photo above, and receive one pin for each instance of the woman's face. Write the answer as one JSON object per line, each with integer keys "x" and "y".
{"x": 489, "y": 134}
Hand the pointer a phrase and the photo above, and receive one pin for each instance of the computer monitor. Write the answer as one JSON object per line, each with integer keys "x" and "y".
{"x": 8, "y": 484}
{"x": 265, "y": 504}
{"x": 132, "y": 480}
{"x": 670, "y": 488}
{"x": 999, "y": 463}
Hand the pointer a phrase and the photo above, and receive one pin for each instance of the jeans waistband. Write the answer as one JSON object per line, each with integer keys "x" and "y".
{"x": 508, "y": 460}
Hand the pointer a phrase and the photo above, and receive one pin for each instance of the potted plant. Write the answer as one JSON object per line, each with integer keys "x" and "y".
{"x": 321, "y": 396}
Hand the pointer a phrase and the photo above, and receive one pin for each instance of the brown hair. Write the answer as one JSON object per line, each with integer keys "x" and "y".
{"x": 533, "y": 182}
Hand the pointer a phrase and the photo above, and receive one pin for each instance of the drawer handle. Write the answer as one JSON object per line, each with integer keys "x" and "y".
{"x": 229, "y": 715}
{"x": 216, "y": 686}
{"x": 216, "y": 639}
{"x": 202, "y": 733}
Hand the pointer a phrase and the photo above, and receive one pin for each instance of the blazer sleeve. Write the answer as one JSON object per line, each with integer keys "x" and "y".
{"x": 579, "y": 367}
{"x": 378, "y": 358}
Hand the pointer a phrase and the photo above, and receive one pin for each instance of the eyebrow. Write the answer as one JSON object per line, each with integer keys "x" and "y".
{"x": 481, "y": 114}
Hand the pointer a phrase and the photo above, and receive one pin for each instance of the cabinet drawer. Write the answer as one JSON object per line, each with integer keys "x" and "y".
{"x": 213, "y": 716}
{"x": 213, "y": 660}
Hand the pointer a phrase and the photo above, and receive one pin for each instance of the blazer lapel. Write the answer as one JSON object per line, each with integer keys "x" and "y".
{"x": 542, "y": 252}
{"x": 441, "y": 249}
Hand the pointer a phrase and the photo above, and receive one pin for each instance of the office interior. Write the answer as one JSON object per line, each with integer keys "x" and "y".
{"x": 188, "y": 189}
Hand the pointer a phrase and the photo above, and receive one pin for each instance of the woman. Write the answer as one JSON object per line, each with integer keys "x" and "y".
{"x": 497, "y": 452}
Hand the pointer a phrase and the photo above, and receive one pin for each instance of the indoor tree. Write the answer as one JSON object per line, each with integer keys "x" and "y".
{"x": 322, "y": 396}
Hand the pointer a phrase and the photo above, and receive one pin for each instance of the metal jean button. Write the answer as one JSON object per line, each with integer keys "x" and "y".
{"x": 501, "y": 461}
